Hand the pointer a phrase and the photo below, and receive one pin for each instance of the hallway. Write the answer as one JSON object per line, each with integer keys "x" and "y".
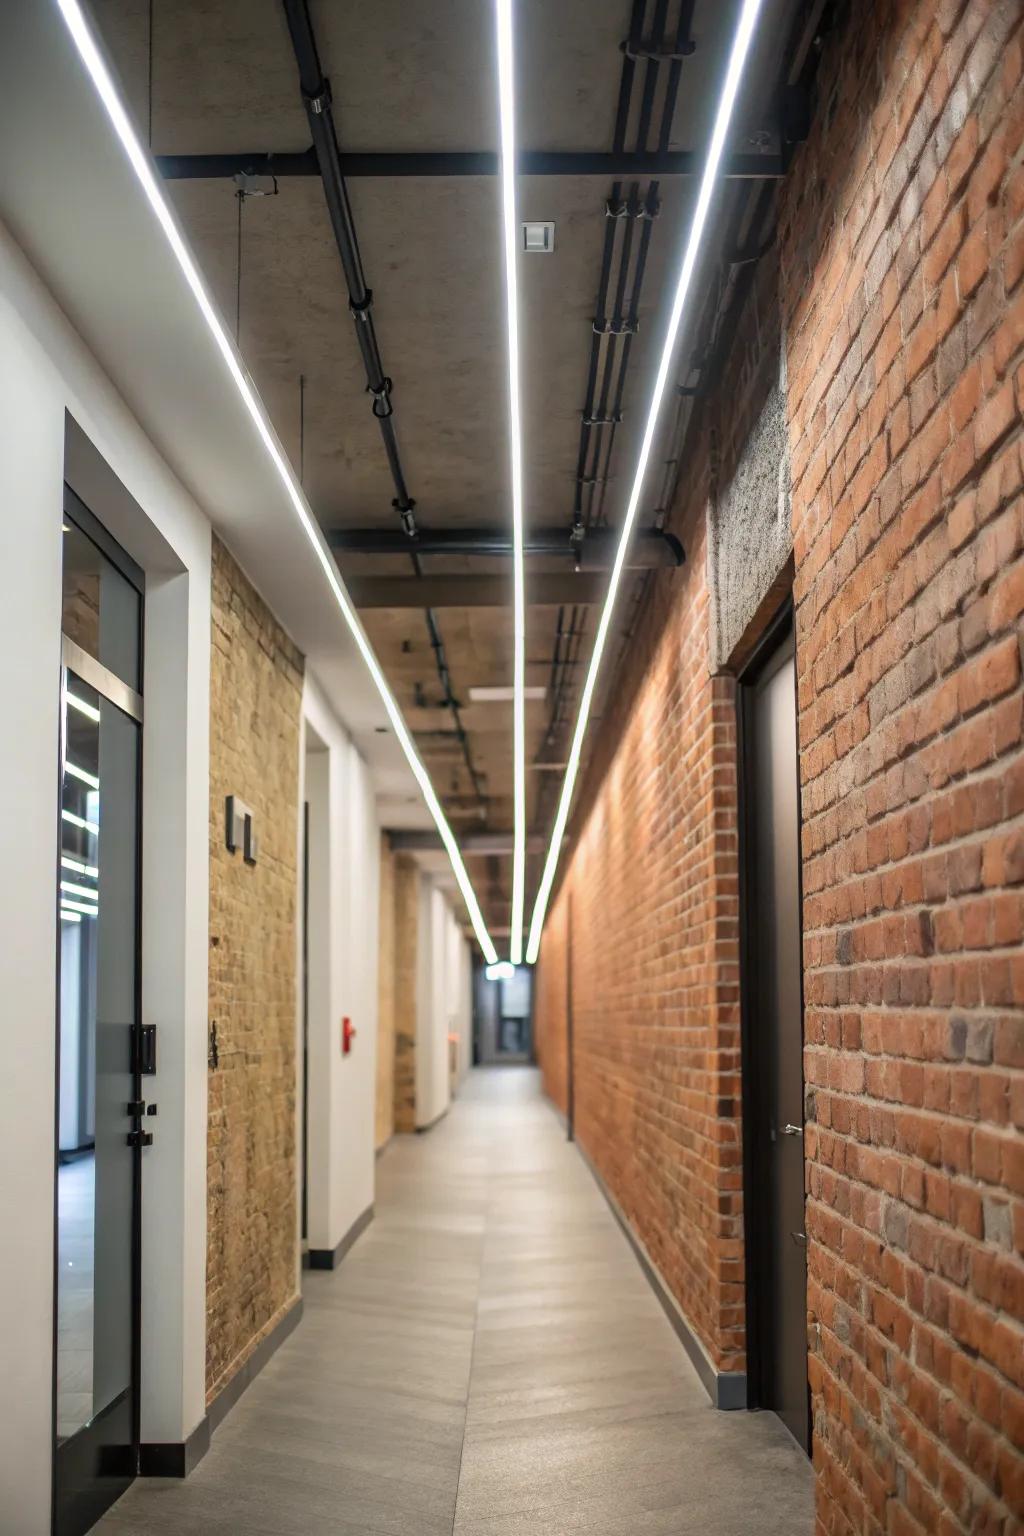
{"x": 487, "y": 1361}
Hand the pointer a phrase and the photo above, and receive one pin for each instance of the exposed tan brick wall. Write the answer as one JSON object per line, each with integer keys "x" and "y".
{"x": 255, "y": 705}
{"x": 385, "y": 1097}
{"x": 901, "y": 254}
{"x": 407, "y": 919}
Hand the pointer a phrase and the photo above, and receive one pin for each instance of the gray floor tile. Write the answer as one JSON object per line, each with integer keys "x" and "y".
{"x": 488, "y": 1361}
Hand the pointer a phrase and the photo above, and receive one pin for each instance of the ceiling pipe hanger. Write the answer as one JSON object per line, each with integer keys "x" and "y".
{"x": 316, "y": 97}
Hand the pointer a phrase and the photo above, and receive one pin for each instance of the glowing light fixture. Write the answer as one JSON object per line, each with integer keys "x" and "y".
{"x": 67, "y": 905}
{"x": 91, "y": 57}
{"x": 504, "y": 970}
{"x": 506, "y": 102}
{"x": 70, "y": 917}
{"x": 79, "y": 890}
{"x": 727, "y": 100}
{"x": 80, "y": 821}
{"x": 80, "y": 773}
{"x": 89, "y": 710}
{"x": 66, "y": 862}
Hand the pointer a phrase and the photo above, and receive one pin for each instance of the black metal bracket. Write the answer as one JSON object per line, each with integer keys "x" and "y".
{"x": 656, "y": 52}
{"x": 320, "y": 100}
{"x": 406, "y": 515}
{"x": 616, "y": 327}
{"x": 602, "y": 421}
{"x": 381, "y": 393}
{"x": 144, "y": 1050}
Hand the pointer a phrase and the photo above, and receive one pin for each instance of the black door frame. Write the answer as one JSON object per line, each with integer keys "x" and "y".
{"x": 78, "y": 1499}
{"x": 305, "y": 1023}
{"x": 756, "y": 1080}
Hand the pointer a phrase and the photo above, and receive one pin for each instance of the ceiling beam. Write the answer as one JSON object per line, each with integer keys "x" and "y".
{"x": 542, "y": 162}
{"x": 543, "y": 590}
{"x": 471, "y": 844}
{"x": 650, "y": 547}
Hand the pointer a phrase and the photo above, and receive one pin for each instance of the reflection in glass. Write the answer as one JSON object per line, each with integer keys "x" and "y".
{"x": 101, "y": 608}
{"x": 96, "y": 903}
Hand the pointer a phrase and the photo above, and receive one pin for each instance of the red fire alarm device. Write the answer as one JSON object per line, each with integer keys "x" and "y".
{"x": 348, "y": 1034}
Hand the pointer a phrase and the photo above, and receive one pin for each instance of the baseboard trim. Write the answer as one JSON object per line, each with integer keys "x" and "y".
{"x": 227, "y": 1397}
{"x": 178, "y": 1458}
{"x": 726, "y": 1389}
{"x": 330, "y": 1258}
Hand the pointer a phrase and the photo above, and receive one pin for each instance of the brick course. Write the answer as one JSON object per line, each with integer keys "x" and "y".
{"x": 255, "y": 706}
{"x": 904, "y": 321}
{"x": 901, "y": 252}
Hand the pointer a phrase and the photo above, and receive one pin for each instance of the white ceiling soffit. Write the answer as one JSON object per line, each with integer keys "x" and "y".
{"x": 71, "y": 200}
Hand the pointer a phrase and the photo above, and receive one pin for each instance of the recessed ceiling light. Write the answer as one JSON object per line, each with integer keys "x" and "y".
{"x": 507, "y": 123}
{"x": 538, "y": 239}
{"x": 503, "y": 695}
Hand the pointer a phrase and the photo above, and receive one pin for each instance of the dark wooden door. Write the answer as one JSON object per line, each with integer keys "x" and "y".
{"x": 773, "y": 1016}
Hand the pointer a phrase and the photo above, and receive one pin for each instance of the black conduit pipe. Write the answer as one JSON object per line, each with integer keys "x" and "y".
{"x": 316, "y": 97}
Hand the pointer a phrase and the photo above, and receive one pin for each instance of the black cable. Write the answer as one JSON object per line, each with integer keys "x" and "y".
{"x": 636, "y": 24}
{"x": 302, "y": 429}
{"x": 651, "y": 76}
{"x": 240, "y": 195}
{"x": 150, "y": 102}
{"x": 316, "y": 95}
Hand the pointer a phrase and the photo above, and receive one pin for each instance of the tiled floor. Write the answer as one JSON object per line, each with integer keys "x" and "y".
{"x": 488, "y": 1361}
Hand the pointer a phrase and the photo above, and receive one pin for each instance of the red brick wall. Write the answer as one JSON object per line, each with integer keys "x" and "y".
{"x": 901, "y": 254}
{"x": 655, "y": 1006}
{"x": 549, "y": 1005}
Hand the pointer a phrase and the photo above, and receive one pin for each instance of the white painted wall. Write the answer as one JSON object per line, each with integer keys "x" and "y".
{"x": 443, "y": 1002}
{"x": 45, "y": 372}
{"x": 344, "y": 911}
{"x": 461, "y": 1005}
{"x": 458, "y": 983}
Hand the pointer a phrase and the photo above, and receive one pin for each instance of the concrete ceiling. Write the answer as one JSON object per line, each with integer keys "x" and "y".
{"x": 415, "y": 75}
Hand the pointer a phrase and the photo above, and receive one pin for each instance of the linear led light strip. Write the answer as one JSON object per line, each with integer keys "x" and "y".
{"x": 80, "y": 821}
{"x": 107, "y": 92}
{"x": 79, "y": 868}
{"x": 83, "y": 708}
{"x": 727, "y": 100}
{"x": 506, "y": 99}
{"x": 81, "y": 773}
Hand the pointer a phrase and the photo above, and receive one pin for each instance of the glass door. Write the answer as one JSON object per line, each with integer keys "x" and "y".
{"x": 100, "y": 1115}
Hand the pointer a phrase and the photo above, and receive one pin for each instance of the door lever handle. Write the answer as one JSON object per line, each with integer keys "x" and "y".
{"x": 792, "y": 1130}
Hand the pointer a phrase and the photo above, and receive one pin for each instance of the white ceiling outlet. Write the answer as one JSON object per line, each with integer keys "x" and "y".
{"x": 502, "y": 695}
{"x": 538, "y": 239}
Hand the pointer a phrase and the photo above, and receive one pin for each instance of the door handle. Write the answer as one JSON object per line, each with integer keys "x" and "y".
{"x": 792, "y": 1130}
